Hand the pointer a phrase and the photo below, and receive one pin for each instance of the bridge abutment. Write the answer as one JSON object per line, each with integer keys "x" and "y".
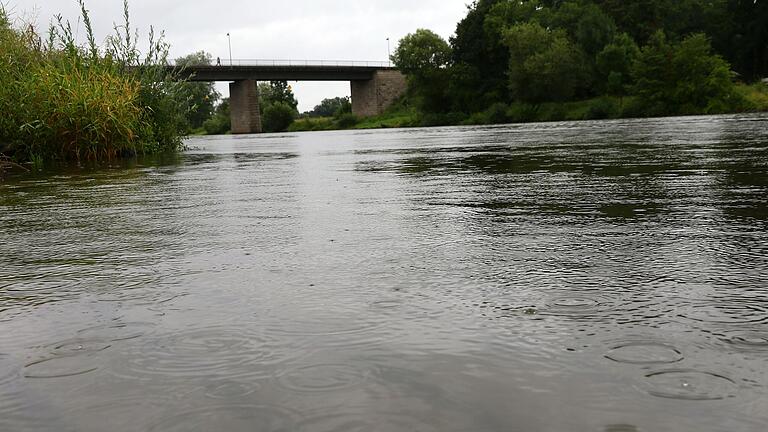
{"x": 372, "y": 97}
{"x": 245, "y": 112}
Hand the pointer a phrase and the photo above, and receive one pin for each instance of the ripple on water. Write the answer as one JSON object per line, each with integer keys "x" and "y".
{"x": 361, "y": 420}
{"x": 573, "y": 305}
{"x": 329, "y": 328}
{"x": 7, "y": 372}
{"x": 742, "y": 311}
{"x": 116, "y": 331}
{"x": 689, "y": 384}
{"x": 747, "y": 341}
{"x": 79, "y": 347}
{"x": 231, "y": 389}
{"x": 61, "y": 367}
{"x": 322, "y": 378}
{"x": 230, "y": 418}
{"x": 224, "y": 353}
{"x": 644, "y": 352}
{"x": 621, "y": 428}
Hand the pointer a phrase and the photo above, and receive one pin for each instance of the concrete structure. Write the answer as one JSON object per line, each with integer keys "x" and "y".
{"x": 372, "y": 97}
{"x": 245, "y": 113}
{"x": 373, "y": 88}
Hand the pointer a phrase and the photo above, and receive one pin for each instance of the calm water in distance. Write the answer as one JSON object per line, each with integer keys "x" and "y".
{"x": 595, "y": 276}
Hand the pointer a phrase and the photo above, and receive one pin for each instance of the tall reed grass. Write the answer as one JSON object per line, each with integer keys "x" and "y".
{"x": 63, "y": 101}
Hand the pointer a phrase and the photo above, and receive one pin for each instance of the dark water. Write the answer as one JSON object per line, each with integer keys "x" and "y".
{"x": 597, "y": 276}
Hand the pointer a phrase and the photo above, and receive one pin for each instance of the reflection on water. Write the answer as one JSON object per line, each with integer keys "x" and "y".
{"x": 594, "y": 276}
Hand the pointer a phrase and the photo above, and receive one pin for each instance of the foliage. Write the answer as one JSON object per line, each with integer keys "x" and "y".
{"x": 530, "y": 53}
{"x": 67, "y": 102}
{"x": 277, "y": 116}
{"x": 421, "y": 52}
{"x": 201, "y": 96}
{"x": 614, "y": 64}
{"x": 276, "y": 92}
{"x": 332, "y": 107}
{"x": 220, "y": 122}
{"x": 684, "y": 78}
{"x": 347, "y": 120}
{"x": 544, "y": 65}
{"x": 278, "y": 106}
{"x": 478, "y": 54}
{"x": 755, "y": 96}
{"x": 424, "y": 56}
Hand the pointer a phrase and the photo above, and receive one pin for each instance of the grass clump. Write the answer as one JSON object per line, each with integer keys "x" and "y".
{"x": 65, "y": 102}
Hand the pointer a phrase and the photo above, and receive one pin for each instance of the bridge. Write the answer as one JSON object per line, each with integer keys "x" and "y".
{"x": 374, "y": 85}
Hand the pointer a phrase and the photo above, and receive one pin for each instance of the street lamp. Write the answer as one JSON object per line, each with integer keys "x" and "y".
{"x": 389, "y": 54}
{"x": 229, "y": 38}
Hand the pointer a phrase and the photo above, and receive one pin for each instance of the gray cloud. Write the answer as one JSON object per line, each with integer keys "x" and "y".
{"x": 297, "y": 29}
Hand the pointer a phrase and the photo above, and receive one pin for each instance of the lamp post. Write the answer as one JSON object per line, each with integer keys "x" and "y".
{"x": 229, "y": 38}
{"x": 389, "y": 54}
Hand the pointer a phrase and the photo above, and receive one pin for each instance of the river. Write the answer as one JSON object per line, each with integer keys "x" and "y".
{"x": 589, "y": 276}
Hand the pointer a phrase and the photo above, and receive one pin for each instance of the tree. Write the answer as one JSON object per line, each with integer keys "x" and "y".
{"x": 421, "y": 52}
{"x": 220, "y": 123}
{"x": 544, "y": 65}
{"x": 278, "y": 105}
{"x": 201, "y": 96}
{"x": 615, "y": 62}
{"x": 332, "y": 107}
{"x": 684, "y": 78}
{"x": 747, "y": 42}
{"x": 424, "y": 57}
{"x": 275, "y": 92}
{"x": 480, "y": 57}
{"x": 277, "y": 116}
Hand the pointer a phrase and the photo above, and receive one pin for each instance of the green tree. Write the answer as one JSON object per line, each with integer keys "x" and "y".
{"x": 220, "y": 123}
{"x": 480, "y": 56}
{"x": 544, "y": 65}
{"x": 615, "y": 63}
{"x": 201, "y": 96}
{"x": 277, "y": 91}
{"x": 420, "y": 52}
{"x": 277, "y": 116}
{"x": 746, "y": 41}
{"x": 585, "y": 23}
{"x": 684, "y": 78}
{"x": 424, "y": 57}
{"x": 278, "y": 105}
{"x": 332, "y": 107}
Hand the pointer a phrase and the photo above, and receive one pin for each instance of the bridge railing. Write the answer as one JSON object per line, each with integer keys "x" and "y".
{"x": 290, "y": 62}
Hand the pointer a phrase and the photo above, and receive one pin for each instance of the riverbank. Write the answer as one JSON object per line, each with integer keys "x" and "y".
{"x": 755, "y": 99}
{"x": 62, "y": 101}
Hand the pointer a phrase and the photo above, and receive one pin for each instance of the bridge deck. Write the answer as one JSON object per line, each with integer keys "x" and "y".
{"x": 279, "y": 72}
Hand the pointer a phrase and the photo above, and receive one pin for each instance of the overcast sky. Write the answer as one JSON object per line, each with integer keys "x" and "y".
{"x": 260, "y": 29}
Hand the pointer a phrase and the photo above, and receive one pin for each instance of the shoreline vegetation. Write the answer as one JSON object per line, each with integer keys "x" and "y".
{"x": 539, "y": 60}
{"x": 599, "y": 108}
{"x": 507, "y": 62}
{"x": 62, "y": 102}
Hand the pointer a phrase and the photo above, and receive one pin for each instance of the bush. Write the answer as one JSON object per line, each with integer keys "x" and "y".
{"x": 65, "y": 102}
{"x": 346, "y": 121}
{"x": 522, "y": 112}
{"x": 217, "y": 125}
{"x": 683, "y": 79}
{"x": 497, "y": 113}
{"x": 449, "y": 119}
{"x": 603, "y": 108}
{"x": 277, "y": 117}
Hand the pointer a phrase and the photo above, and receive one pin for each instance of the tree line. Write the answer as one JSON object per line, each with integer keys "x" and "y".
{"x": 639, "y": 58}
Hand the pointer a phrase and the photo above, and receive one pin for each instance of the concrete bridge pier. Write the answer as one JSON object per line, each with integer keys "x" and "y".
{"x": 245, "y": 112}
{"x": 373, "y": 96}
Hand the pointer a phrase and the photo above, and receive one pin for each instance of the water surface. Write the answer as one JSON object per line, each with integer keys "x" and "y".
{"x": 593, "y": 276}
